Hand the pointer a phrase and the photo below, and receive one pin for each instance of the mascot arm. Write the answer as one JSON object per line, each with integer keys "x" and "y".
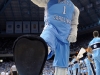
{"x": 74, "y": 24}
{"x": 40, "y": 3}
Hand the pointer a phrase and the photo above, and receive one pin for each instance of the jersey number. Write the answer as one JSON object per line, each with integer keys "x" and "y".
{"x": 64, "y": 11}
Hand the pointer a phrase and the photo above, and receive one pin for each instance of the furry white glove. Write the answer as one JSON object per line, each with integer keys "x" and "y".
{"x": 72, "y": 38}
{"x": 74, "y": 24}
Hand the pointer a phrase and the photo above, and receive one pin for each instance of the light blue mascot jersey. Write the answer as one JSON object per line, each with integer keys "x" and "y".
{"x": 96, "y": 49}
{"x": 60, "y": 16}
{"x": 58, "y": 21}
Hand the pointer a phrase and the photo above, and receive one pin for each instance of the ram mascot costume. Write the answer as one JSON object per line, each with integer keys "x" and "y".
{"x": 61, "y": 22}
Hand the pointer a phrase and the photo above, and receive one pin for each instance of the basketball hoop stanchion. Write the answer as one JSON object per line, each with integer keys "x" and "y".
{"x": 30, "y": 54}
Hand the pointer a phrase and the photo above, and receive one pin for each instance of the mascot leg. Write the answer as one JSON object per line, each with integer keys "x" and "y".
{"x": 60, "y": 71}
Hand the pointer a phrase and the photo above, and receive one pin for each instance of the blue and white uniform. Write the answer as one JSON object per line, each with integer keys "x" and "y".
{"x": 83, "y": 67}
{"x": 75, "y": 66}
{"x": 87, "y": 62}
{"x": 95, "y": 45}
{"x": 69, "y": 72}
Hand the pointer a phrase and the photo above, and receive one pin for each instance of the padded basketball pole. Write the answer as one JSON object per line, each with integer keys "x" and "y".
{"x": 4, "y": 6}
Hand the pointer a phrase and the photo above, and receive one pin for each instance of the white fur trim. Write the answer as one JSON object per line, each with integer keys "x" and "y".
{"x": 74, "y": 24}
{"x": 75, "y": 16}
{"x": 72, "y": 38}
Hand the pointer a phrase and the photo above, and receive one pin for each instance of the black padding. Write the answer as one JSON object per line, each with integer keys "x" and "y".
{"x": 30, "y": 54}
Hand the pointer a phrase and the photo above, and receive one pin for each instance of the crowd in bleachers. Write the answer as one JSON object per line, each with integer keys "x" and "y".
{"x": 48, "y": 69}
{"x": 6, "y": 45}
{"x": 6, "y": 67}
{"x": 6, "y": 48}
{"x": 10, "y": 67}
{"x": 84, "y": 28}
{"x": 81, "y": 42}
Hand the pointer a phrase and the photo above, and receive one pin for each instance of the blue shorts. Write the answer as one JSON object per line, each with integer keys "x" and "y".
{"x": 59, "y": 48}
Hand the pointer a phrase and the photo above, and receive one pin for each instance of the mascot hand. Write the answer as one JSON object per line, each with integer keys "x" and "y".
{"x": 72, "y": 38}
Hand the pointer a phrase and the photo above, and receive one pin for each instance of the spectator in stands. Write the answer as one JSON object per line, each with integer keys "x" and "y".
{"x": 13, "y": 70}
{"x": 94, "y": 48}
